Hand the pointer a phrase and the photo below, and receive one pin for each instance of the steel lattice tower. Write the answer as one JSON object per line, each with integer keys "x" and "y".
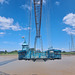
{"x": 38, "y": 15}
{"x": 72, "y": 43}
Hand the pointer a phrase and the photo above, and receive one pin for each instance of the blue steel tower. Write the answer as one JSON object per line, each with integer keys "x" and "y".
{"x": 38, "y": 15}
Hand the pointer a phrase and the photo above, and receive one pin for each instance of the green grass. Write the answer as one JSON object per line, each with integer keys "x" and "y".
{"x": 9, "y": 53}
{"x": 68, "y": 53}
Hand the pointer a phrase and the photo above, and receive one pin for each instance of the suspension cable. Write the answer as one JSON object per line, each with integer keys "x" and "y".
{"x": 48, "y": 26}
{"x": 30, "y": 21}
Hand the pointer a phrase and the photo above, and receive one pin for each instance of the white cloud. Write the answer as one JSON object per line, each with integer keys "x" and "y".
{"x": 69, "y": 30}
{"x": 27, "y": 28}
{"x": 69, "y": 19}
{"x": 8, "y": 23}
{"x": 1, "y": 33}
{"x": 4, "y": 1}
{"x": 44, "y": 1}
{"x": 57, "y": 3}
{"x": 26, "y": 7}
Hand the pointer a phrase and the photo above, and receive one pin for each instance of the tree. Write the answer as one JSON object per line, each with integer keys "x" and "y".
{"x": 5, "y": 51}
{"x": 64, "y": 51}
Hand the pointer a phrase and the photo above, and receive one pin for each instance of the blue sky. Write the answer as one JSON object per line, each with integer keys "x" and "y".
{"x": 58, "y": 22}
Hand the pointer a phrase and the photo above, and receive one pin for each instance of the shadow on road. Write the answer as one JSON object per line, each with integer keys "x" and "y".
{"x": 2, "y": 73}
{"x": 7, "y": 61}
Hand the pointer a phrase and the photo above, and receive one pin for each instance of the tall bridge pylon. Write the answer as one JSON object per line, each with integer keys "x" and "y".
{"x": 38, "y": 16}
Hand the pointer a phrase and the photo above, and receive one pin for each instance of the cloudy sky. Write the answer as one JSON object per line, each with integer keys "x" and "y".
{"x": 58, "y": 23}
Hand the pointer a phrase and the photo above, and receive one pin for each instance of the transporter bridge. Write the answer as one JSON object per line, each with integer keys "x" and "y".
{"x": 33, "y": 54}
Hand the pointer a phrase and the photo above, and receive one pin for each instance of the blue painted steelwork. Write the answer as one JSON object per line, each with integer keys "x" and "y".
{"x": 27, "y": 54}
{"x": 54, "y": 54}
